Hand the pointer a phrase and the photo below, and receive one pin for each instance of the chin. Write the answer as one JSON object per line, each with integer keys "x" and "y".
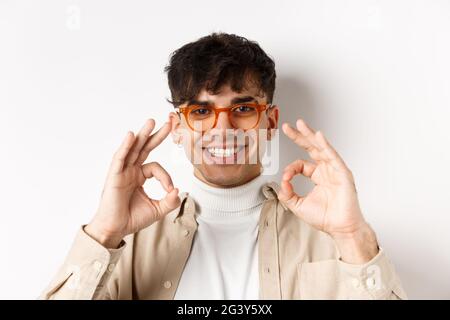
{"x": 227, "y": 174}
{"x": 224, "y": 174}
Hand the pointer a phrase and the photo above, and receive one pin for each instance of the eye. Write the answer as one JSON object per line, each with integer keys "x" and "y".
{"x": 201, "y": 111}
{"x": 244, "y": 109}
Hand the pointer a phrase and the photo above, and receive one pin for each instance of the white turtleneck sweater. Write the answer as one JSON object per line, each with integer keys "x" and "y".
{"x": 223, "y": 262}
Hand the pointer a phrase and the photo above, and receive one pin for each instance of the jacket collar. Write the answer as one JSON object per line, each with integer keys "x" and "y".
{"x": 270, "y": 190}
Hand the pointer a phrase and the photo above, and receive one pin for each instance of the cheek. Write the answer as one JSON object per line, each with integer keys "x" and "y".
{"x": 195, "y": 139}
{"x": 193, "y": 147}
{"x": 263, "y": 122}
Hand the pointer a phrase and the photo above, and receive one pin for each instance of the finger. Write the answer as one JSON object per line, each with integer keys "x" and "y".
{"x": 307, "y": 132}
{"x": 170, "y": 202}
{"x": 120, "y": 155}
{"x": 141, "y": 139}
{"x": 329, "y": 153}
{"x": 299, "y": 166}
{"x": 154, "y": 141}
{"x": 154, "y": 169}
{"x": 302, "y": 141}
{"x": 288, "y": 197}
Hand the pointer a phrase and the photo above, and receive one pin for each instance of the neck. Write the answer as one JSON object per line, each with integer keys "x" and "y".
{"x": 228, "y": 200}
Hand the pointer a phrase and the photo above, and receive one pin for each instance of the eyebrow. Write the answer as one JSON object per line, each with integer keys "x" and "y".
{"x": 233, "y": 101}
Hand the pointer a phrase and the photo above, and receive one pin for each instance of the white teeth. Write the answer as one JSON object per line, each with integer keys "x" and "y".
{"x": 219, "y": 152}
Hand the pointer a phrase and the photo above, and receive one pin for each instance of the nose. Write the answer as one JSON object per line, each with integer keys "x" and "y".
{"x": 223, "y": 132}
{"x": 223, "y": 122}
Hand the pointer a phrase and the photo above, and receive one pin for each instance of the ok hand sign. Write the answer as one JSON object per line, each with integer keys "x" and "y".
{"x": 332, "y": 206}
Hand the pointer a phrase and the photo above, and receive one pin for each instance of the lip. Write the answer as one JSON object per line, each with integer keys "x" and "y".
{"x": 231, "y": 159}
{"x": 224, "y": 146}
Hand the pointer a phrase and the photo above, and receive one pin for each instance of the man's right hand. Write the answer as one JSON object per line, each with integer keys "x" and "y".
{"x": 124, "y": 207}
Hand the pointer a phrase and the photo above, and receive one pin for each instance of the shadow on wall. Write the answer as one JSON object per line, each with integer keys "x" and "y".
{"x": 295, "y": 100}
{"x": 417, "y": 267}
{"x": 414, "y": 265}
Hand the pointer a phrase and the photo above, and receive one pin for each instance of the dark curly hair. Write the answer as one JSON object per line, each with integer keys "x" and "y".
{"x": 216, "y": 60}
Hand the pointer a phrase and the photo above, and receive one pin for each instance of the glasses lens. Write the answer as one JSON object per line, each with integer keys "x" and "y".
{"x": 244, "y": 116}
{"x": 201, "y": 118}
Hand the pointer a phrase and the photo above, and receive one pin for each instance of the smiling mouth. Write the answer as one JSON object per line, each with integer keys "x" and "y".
{"x": 223, "y": 152}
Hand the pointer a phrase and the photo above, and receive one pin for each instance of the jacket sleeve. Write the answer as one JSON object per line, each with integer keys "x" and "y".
{"x": 85, "y": 271}
{"x": 335, "y": 279}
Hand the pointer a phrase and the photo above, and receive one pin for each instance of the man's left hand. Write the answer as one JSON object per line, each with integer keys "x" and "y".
{"x": 332, "y": 206}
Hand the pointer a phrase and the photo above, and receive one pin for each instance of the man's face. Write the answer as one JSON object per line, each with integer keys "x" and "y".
{"x": 209, "y": 152}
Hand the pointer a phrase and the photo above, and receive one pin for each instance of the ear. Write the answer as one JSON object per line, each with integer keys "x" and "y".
{"x": 272, "y": 120}
{"x": 176, "y": 126}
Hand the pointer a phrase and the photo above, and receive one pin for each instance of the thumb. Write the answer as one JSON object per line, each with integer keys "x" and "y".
{"x": 170, "y": 202}
{"x": 289, "y": 198}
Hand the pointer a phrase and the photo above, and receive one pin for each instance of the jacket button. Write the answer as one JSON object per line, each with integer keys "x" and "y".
{"x": 370, "y": 282}
{"x": 167, "y": 284}
{"x": 111, "y": 267}
{"x": 186, "y": 233}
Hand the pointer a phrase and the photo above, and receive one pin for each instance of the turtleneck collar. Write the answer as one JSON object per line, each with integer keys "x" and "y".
{"x": 228, "y": 201}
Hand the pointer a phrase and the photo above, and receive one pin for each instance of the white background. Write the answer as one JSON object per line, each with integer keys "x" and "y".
{"x": 373, "y": 75}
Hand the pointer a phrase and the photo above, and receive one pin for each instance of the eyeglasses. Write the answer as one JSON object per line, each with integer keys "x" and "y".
{"x": 243, "y": 116}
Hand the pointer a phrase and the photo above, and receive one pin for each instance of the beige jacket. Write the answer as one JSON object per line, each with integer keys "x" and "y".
{"x": 295, "y": 261}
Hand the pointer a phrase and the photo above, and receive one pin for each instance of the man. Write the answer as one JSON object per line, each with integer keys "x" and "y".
{"x": 233, "y": 235}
